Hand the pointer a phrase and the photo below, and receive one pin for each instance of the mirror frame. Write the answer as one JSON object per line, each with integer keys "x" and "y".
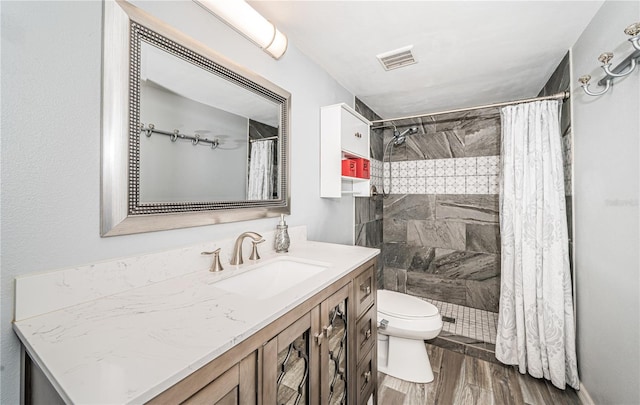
{"x": 121, "y": 210}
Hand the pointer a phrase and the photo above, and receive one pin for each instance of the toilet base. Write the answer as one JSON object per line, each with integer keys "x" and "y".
{"x": 406, "y": 359}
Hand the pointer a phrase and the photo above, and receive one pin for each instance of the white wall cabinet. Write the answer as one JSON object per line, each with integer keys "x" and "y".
{"x": 343, "y": 134}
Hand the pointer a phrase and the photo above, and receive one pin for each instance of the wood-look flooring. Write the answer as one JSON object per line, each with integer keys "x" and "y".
{"x": 465, "y": 380}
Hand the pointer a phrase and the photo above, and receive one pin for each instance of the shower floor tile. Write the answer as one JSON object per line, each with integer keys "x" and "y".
{"x": 469, "y": 322}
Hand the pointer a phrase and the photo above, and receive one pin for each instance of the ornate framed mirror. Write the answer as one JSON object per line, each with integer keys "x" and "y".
{"x": 189, "y": 138}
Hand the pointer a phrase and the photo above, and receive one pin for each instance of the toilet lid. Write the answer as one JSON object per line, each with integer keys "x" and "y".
{"x": 404, "y": 306}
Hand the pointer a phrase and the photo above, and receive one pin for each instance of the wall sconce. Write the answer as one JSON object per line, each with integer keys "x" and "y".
{"x": 243, "y": 18}
{"x": 629, "y": 63}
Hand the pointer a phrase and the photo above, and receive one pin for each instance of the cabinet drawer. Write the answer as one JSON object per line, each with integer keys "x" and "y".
{"x": 354, "y": 134}
{"x": 366, "y": 378}
{"x": 366, "y": 333}
{"x": 365, "y": 286}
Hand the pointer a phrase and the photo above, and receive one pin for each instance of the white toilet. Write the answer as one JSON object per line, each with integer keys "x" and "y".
{"x": 404, "y": 323}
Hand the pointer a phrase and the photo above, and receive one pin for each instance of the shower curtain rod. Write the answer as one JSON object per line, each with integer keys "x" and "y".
{"x": 263, "y": 139}
{"x": 559, "y": 96}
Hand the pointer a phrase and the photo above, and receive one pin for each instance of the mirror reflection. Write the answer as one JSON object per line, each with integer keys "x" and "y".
{"x": 203, "y": 138}
{"x": 189, "y": 138}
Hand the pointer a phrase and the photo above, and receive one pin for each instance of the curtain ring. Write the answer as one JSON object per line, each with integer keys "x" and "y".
{"x": 174, "y": 136}
{"x": 196, "y": 139}
{"x": 214, "y": 144}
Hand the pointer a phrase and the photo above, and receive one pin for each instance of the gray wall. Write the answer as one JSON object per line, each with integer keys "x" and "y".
{"x": 368, "y": 210}
{"x": 606, "y": 148}
{"x": 50, "y": 200}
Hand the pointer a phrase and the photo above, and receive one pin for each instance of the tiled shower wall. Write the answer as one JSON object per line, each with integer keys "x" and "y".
{"x": 440, "y": 223}
{"x": 439, "y": 226}
{"x": 443, "y": 247}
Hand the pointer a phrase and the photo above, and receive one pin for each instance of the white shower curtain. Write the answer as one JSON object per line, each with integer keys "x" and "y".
{"x": 535, "y": 322}
{"x": 260, "y": 171}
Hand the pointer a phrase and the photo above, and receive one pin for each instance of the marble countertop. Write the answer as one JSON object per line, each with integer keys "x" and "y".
{"x": 131, "y": 346}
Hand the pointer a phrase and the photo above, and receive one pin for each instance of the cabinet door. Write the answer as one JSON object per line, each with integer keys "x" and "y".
{"x": 354, "y": 134}
{"x": 235, "y": 386}
{"x": 334, "y": 348}
{"x": 287, "y": 366}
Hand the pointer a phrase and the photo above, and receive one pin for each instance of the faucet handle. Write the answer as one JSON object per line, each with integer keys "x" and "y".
{"x": 254, "y": 249}
{"x": 216, "y": 265}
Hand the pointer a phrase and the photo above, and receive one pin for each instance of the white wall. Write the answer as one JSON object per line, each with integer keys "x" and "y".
{"x": 180, "y": 171}
{"x": 50, "y": 82}
{"x": 606, "y": 152}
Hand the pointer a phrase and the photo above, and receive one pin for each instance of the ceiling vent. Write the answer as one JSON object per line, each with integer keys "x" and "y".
{"x": 397, "y": 58}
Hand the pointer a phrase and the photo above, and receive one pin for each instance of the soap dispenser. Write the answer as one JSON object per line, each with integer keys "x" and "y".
{"x": 282, "y": 236}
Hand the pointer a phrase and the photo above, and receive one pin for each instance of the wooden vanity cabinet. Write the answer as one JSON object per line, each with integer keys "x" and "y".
{"x": 235, "y": 386}
{"x": 322, "y": 351}
{"x": 287, "y": 376}
{"x": 365, "y": 337}
{"x": 308, "y": 362}
{"x": 221, "y": 382}
{"x": 333, "y": 342}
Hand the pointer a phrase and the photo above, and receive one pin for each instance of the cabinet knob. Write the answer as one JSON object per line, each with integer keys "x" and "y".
{"x": 327, "y": 331}
{"x": 365, "y": 288}
{"x": 367, "y": 334}
{"x": 358, "y": 135}
{"x": 367, "y": 377}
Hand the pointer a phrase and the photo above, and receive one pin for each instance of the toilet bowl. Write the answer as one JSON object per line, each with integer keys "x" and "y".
{"x": 404, "y": 322}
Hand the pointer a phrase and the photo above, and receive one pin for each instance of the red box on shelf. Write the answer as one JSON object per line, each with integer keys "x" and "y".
{"x": 349, "y": 167}
{"x": 362, "y": 168}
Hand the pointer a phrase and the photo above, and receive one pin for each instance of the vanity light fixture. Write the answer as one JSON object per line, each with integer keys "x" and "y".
{"x": 243, "y": 18}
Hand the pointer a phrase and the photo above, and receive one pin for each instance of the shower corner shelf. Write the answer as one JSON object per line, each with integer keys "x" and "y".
{"x": 343, "y": 134}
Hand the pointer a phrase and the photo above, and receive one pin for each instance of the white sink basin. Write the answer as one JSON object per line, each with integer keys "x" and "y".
{"x": 270, "y": 278}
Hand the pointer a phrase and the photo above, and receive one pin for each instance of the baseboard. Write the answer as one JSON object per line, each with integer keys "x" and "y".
{"x": 584, "y": 396}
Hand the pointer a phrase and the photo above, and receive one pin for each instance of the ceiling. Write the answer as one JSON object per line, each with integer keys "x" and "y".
{"x": 468, "y": 52}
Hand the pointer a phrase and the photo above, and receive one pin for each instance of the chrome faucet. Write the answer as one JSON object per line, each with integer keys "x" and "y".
{"x": 236, "y": 258}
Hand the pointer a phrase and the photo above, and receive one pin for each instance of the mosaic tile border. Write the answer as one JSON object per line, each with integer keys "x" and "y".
{"x": 472, "y": 175}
